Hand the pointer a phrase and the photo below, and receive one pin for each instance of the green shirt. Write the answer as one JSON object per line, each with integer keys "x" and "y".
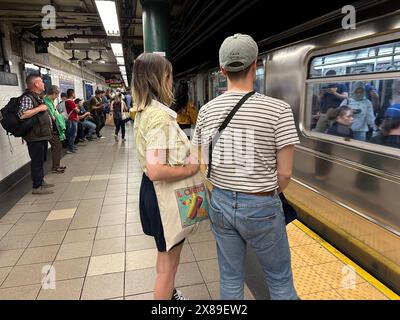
{"x": 57, "y": 117}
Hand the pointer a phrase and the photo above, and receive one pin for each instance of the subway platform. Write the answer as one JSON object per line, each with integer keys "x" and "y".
{"x": 87, "y": 237}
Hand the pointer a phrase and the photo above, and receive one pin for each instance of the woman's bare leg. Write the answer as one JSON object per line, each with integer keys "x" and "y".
{"x": 167, "y": 266}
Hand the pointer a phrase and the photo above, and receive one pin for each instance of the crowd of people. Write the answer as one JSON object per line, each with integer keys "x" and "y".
{"x": 66, "y": 124}
{"x": 360, "y": 115}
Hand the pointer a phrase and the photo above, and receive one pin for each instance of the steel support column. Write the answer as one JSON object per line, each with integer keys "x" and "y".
{"x": 156, "y": 26}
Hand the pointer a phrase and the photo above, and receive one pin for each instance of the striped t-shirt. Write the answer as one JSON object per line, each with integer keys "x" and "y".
{"x": 244, "y": 158}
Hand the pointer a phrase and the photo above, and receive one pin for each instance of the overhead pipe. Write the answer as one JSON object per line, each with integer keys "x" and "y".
{"x": 195, "y": 25}
{"x": 223, "y": 20}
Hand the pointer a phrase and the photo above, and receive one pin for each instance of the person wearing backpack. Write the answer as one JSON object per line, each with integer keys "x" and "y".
{"x": 62, "y": 109}
{"x": 58, "y": 132}
{"x": 32, "y": 107}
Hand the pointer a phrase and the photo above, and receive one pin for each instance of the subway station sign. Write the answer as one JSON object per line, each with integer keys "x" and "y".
{"x": 8, "y": 79}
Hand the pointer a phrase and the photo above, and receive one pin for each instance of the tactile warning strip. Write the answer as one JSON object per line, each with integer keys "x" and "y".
{"x": 324, "y": 279}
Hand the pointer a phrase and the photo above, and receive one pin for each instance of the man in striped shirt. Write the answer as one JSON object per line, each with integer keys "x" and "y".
{"x": 251, "y": 164}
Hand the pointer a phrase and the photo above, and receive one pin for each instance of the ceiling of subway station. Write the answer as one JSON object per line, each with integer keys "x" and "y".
{"x": 197, "y": 27}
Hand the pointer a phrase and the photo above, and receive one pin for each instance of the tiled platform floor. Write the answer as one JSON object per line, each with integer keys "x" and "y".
{"x": 89, "y": 231}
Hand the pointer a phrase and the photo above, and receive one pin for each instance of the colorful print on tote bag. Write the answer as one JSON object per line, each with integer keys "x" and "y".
{"x": 192, "y": 204}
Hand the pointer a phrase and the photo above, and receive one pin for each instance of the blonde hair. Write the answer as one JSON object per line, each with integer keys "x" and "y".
{"x": 150, "y": 73}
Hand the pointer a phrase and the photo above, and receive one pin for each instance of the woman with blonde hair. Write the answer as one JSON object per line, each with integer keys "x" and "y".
{"x": 162, "y": 155}
{"x": 117, "y": 108}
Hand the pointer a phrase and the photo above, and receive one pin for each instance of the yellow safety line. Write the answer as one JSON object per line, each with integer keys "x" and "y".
{"x": 361, "y": 272}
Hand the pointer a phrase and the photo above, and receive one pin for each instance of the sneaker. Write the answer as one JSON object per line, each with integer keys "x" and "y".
{"x": 47, "y": 185}
{"x": 177, "y": 295}
{"x": 123, "y": 139}
{"x": 57, "y": 170}
{"x": 41, "y": 190}
{"x": 70, "y": 151}
{"x": 116, "y": 138}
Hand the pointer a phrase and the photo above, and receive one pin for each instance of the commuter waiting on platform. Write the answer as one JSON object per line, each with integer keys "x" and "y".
{"x": 58, "y": 129}
{"x": 342, "y": 118}
{"x": 106, "y": 103}
{"x": 118, "y": 106}
{"x": 245, "y": 206}
{"x": 152, "y": 89}
{"x": 37, "y": 139}
{"x": 96, "y": 109}
{"x": 363, "y": 111}
{"x": 61, "y": 106}
{"x": 84, "y": 123}
{"x": 73, "y": 119}
{"x": 128, "y": 99}
{"x": 390, "y": 128}
{"x": 187, "y": 114}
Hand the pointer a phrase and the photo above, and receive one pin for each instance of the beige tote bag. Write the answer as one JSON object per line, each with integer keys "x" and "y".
{"x": 183, "y": 204}
{"x": 183, "y": 208}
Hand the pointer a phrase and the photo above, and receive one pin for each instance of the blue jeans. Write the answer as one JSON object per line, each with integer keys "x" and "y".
{"x": 360, "y": 135}
{"x": 90, "y": 126}
{"x": 72, "y": 130}
{"x": 239, "y": 219}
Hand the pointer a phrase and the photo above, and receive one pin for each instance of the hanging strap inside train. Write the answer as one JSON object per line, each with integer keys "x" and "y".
{"x": 222, "y": 127}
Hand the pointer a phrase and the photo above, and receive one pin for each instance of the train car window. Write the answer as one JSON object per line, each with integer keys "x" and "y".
{"x": 380, "y": 58}
{"x": 260, "y": 79}
{"x": 367, "y": 111}
{"x": 218, "y": 83}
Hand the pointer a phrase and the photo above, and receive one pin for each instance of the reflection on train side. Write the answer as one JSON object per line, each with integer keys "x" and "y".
{"x": 362, "y": 110}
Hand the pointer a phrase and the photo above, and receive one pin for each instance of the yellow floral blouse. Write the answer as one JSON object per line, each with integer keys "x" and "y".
{"x": 155, "y": 128}
{"x": 188, "y": 115}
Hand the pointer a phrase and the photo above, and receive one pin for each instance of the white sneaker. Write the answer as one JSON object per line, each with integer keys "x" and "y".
{"x": 116, "y": 138}
{"x": 177, "y": 295}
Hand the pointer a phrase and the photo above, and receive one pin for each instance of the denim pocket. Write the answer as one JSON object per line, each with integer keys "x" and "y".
{"x": 215, "y": 214}
{"x": 261, "y": 224}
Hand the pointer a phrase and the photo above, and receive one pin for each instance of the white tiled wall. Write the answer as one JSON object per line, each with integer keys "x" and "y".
{"x": 9, "y": 162}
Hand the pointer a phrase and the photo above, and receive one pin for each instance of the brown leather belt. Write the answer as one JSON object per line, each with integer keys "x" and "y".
{"x": 268, "y": 193}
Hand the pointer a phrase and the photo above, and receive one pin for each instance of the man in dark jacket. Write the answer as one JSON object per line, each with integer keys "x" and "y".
{"x": 37, "y": 139}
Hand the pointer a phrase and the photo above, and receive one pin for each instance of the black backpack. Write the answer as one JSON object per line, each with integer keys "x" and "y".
{"x": 10, "y": 120}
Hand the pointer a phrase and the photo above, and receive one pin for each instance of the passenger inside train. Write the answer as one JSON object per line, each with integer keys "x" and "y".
{"x": 368, "y": 100}
{"x": 390, "y": 128}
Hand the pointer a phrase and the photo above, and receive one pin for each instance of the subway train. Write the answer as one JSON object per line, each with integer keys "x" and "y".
{"x": 357, "y": 173}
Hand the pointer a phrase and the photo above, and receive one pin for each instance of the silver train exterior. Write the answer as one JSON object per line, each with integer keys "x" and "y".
{"x": 363, "y": 177}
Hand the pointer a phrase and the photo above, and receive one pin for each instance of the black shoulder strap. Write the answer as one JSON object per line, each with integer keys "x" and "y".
{"x": 223, "y": 126}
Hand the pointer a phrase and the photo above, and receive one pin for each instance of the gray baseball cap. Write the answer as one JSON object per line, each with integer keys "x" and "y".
{"x": 237, "y": 52}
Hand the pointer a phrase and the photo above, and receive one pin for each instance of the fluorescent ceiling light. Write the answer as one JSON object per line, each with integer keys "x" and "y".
{"x": 117, "y": 49}
{"x": 31, "y": 66}
{"x": 109, "y": 18}
{"x": 120, "y": 60}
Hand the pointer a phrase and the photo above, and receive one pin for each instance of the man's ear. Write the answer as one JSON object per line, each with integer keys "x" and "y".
{"x": 223, "y": 71}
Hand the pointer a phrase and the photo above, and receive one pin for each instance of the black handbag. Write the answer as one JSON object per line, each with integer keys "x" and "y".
{"x": 288, "y": 210}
